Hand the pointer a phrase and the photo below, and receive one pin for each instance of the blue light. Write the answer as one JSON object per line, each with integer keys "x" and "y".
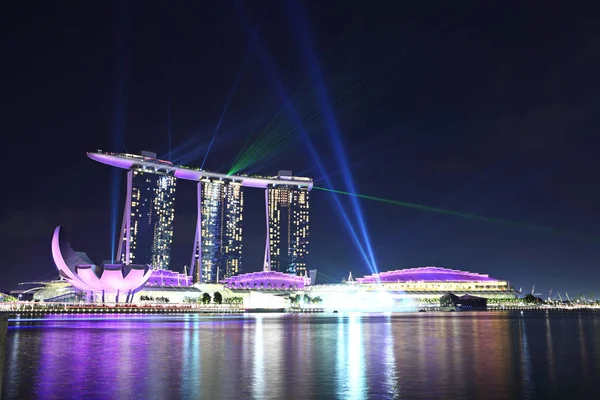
{"x": 311, "y": 149}
{"x": 238, "y": 76}
{"x": 334, "y": 134}
{"x": 118, "y": 132}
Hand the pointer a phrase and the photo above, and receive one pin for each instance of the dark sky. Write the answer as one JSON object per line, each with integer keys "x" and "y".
{"x": 489, "y": 109}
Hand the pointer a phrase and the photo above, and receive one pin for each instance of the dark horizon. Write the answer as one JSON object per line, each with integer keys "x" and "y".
{"x": 484, "y": 109}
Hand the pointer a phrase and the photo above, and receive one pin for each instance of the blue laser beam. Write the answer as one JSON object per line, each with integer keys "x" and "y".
{"x": 311, "y": 149}
{"x": 118, "y": 131}
{"x": 227, "y": 102}
{"x": 300, "y": 23}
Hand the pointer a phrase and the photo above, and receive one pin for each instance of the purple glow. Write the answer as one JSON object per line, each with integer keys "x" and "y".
{"x": 266, "y": 280}
{"x": 165, "y": 277}
{"x": 426, "y": 274}
{"x": 188, "y": 174}
{"x": 127, "y": 161}
{"x": 89, "y": 278}
{"x": 84, "y": 276}
{"x": 115, "y": 161}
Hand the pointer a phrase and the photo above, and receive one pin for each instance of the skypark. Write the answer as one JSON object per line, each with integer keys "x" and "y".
{"x": 128, "y": 161}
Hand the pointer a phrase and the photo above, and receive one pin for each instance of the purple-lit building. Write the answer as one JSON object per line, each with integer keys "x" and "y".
{"x": 435, "y": 279}
{"x": 425, "y": 274}
{"x": 217, "y": 246}
{"x": 168, "y": 278}
{"x": 266, "y": 280}
{"x": 407, "y": 288}
{"x": 106, "y": 279}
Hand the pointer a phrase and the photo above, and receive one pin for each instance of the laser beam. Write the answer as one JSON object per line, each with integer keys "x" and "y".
{"x": 298, "y": 17}
{"x": 311, "y": 149}
{"x": 120, "y": 112}
{"x": 259, "y": 148}
{"x": 227, "y": 102}
{"x": 357, "y": 85}
{"x": 476, "y": 217}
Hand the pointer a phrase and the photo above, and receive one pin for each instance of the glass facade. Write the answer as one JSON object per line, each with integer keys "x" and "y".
{"x": 147, "y": 232}
{"x": 288, "y": 229}
{"x": 220, "y": 241}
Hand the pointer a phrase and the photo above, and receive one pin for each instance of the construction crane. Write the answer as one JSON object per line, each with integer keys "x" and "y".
{"x": 550, "y": 294}
{"x": 560, "y": 297}
{"x": 568, "y": 298}
{"x": 533, "y": 293}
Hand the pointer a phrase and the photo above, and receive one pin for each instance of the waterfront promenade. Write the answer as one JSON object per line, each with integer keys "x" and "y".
{"x": 41, "y": 309}
{"x": 31, "y": 309}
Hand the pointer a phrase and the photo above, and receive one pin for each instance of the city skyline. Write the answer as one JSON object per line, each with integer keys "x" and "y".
{"x": 440, "y": 106}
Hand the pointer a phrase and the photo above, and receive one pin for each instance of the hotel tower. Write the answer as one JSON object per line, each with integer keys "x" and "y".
{"x": 218, "y": 239}
{"x": 147, "y": 228}
{"x": 287, "y": 227}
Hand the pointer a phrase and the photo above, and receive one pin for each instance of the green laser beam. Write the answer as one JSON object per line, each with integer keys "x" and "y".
{"x": 247, "y": 155}
{"x": 354, "y": 87}
{"x": 267, "y": 135}
{"x": 248, "y": 137}
{"x": 540, "y": 229}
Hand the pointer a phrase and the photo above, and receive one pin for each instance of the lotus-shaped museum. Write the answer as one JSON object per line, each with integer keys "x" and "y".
{"x": 82, "y": 273}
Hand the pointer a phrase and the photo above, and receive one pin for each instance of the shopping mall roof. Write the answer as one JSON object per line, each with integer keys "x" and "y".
{"x": 431, "y": 274}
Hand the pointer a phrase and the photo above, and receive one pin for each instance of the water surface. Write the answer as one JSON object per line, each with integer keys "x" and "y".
{"x": 488, "y": 355}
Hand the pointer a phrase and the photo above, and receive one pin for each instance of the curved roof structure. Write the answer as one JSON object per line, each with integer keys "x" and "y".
{"x": 266, "y": 280}
{"x": 166, "y": 277}
{"x": 432, "y": 274}
{"x": 128, "y": 161}
{"x": 81, "y": 273}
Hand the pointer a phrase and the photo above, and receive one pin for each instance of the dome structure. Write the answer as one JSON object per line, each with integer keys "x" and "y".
{"x": 426, "y": 274}
{"x": 77, "y": 269}
{"x": 266, "y": 280}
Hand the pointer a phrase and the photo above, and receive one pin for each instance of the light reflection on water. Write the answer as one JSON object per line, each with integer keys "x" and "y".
{"x": 490, "y": 355}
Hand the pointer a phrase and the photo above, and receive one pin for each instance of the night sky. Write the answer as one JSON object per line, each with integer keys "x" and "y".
{"x": 490, "y": 109}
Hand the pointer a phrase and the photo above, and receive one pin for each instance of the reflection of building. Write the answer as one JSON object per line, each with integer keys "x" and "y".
{"x": 218, "y": 243}
{"x": 147, "y": 230}
{"x": 287, "y": 228}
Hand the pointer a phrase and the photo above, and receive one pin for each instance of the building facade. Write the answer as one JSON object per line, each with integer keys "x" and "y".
{"x": 218, "y": 242}
{"x": 147, "y": 229}
{"x": 287, "y": 229}
{"x": 217, "y": 249}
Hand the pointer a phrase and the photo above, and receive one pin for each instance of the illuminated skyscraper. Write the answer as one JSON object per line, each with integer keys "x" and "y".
{"x": 287, "y": 228}
{"x": 217, "y": 251}
{"x": 147, "y": 229}
{"x": 218, "y": 242}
